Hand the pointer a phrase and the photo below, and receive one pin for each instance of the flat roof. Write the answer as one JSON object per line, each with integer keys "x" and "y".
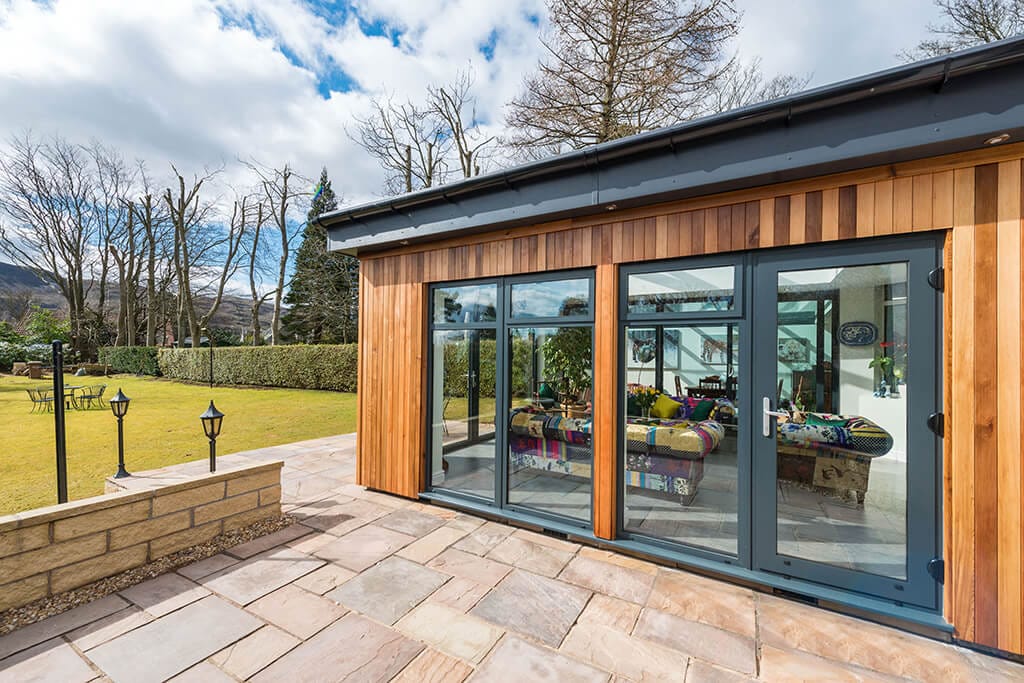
{"x": 939, "y": 106}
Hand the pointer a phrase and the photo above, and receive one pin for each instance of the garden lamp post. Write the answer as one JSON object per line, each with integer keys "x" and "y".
{"x": 119, "y": 406}
{"x": 212, "y": 419}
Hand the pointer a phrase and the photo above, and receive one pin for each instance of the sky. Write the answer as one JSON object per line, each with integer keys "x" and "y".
{"x": 202, "y": 83}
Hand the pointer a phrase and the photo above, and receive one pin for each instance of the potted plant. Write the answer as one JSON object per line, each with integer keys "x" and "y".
{"x": 882, "y": 364}
{"x": 567, "y": 355}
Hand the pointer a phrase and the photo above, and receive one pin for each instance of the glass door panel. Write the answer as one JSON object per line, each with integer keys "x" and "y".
{"x": 682, "y": 434}
{"x": 463, "y": 444}
{"x": 843, "y": 443}
{"x": 550, "y": 455}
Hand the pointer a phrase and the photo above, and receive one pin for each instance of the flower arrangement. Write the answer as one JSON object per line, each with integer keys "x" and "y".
{"x": 644, "y": 396}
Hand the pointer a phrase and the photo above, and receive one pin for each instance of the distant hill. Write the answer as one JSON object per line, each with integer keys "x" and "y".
{"x": 15, "y": 277}
{"x": 233, "y": 313}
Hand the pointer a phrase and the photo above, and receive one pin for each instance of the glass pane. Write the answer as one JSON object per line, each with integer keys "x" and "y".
{"x": 681, "y": 468}
{"x": 549, "y": 438}
{"x": 553, "y": 299}
{"x": 842, "y": 452}
{"x": 469, "y": 304}
{"x": 464, "y": 382}
{"x": 683, "y": 291}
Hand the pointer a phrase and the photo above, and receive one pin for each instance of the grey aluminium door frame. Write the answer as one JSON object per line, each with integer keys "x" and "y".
{"x": 502, "y": 325}
{"x": 922, "y": 254}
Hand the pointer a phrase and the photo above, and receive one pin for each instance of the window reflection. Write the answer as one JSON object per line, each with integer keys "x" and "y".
{"x": 468, "y": 304}
{"x": 683, "y": 291}
{"x": 552, "y": 299}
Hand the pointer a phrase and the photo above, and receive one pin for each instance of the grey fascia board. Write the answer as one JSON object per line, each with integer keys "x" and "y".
{"x": 766, "y": 144}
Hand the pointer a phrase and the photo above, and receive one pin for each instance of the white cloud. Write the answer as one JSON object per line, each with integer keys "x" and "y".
{"x": 201, "y": 82}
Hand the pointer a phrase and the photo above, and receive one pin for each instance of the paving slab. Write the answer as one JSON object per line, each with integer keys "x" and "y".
{"x": 52, "y": 661}
{"x": 468, "y": 566}
{"x": 483, "y": 539}
{"x": 203, "y": 672}
{"x": 609, "y": 611}
{"x": 36, "y": 633}
{"x": 107, "y": 628}
{"x": 364, "y": 547}
{"x": 262, "y": 574}
{"x": 173, "y": 643}
{"x": 411, "y": 522}
{"x": 517, "y": 660}
{"x": 714, "y": 645}
{"x": 540, "y": 608}
{"x": 389, "y": 590}
{"x": 527, "y": 554}
{"x": 214, "y": 563}
{"x": 459, "y": 594}
{"x": 264, "y": 543}
{"x": 297, "y": 611}
{"x": 611, "y": 579}
{"x": 432, "y": 666}
{"x": 325, "y": 579}
{"x": 703, "y": 599}
{"x": 633, "y": 658}
{"x": 433, "y": 544}
{"x": 164, "y": 594}
{"x": 450, "y": 631}
{"x": 353, "y": 648}
{"x": 256, "y": 651}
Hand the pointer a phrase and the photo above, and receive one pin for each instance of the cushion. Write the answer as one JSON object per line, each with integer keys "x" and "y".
{"x": 665, "y": 407}
{"x": 824, "y": 420}
{"x": 702, "y": 410}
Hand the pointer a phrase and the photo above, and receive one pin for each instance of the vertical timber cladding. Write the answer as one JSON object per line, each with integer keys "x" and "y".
{"x": 977, "y": 196}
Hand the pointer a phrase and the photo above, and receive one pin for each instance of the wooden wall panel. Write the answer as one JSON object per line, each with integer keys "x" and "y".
{"x": 606, "y": 359}
{"x": 978, "y": 197}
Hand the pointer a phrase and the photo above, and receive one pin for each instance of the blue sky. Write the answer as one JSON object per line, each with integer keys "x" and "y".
{"x": 205, "y": 82}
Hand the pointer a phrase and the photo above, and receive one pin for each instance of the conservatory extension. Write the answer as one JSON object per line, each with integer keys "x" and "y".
{"x": 780, "y": 345}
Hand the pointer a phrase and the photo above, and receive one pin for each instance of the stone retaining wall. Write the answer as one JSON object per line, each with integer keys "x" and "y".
{"x": 51, "y": 550}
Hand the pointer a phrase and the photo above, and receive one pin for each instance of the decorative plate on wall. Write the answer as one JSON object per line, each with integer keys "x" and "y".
{"x": 861, "y": 333}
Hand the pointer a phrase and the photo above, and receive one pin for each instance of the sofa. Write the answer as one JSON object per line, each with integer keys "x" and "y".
{"x": 661, "y": 455}
{"x": 830, "y": 453}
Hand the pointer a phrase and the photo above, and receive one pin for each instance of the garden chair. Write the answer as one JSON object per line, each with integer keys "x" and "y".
{"x": 93, "y": 393}
{"x": 41, "y": 399}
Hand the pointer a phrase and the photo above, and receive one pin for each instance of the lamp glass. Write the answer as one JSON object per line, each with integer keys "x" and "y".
{"x": 212, "y": 420}
{"x": 119, "y": 404}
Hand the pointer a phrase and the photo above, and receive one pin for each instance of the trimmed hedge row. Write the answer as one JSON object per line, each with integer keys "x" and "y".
{"x": 331, "y": 367}
{"x": 140, "y": 360}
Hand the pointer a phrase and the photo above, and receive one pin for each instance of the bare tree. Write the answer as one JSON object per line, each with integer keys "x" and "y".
{"x": 968, "y": 23}
{"x": 280, "y": 191}
{"x": 257, "y": 264}
{"x": 47, "y": 192}
{"x": 205, "y": 254}
{"x": 745, "y": 84}
{"x": 421, "y": 144}
{"x": 150, "y": 214}
{"x": 110, "y": 202}
{"x": 407, "y": 140}
{"x": 618, "y": 67}
{"x": 454, "y": 106}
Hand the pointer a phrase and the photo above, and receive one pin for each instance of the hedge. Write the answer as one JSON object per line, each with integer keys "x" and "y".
{"x": 11, "y": 353}
{"x": 321, "y": 366}
{"x": 141, "y": 360}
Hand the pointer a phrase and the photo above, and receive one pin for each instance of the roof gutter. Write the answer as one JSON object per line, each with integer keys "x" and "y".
{"x": 936, "y": 73}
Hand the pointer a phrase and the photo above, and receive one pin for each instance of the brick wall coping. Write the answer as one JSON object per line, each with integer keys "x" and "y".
{"x": 109, "y": 500}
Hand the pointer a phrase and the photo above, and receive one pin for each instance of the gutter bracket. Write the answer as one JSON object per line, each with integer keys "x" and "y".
{"x": 945, "y": 76}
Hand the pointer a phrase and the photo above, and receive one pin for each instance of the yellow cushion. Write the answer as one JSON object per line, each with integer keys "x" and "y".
{"x": 665, "y": 408}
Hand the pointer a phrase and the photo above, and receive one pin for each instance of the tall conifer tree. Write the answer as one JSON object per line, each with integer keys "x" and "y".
{"x": 324, "y": 296}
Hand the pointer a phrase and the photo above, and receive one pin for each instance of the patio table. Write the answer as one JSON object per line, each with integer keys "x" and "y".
{"x": 70, "y": 401}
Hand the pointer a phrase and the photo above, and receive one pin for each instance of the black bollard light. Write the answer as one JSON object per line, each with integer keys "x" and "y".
{"x": 58, "y": 421}
{"x": 212, "y": 419}
{"x": 119, "y": 406}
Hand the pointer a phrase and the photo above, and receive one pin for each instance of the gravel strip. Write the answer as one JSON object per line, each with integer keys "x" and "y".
{"x": 16, "y": 617}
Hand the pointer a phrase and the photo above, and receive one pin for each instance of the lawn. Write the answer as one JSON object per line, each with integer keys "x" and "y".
{"x": 162, "y": 428}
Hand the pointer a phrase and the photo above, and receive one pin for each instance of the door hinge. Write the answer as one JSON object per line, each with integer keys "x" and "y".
{"x": 937, "y": 423}
{"x": 937, "y": 569}
{"x": 937, "y": 279}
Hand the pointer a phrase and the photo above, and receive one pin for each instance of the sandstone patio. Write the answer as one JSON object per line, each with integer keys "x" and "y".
{"x": 368, "y": 587}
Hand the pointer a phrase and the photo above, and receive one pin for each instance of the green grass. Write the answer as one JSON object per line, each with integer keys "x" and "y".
{"x": 162, "y": 428}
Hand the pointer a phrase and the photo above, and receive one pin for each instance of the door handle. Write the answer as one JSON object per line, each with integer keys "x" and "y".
{"x": 768, "y": 414}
